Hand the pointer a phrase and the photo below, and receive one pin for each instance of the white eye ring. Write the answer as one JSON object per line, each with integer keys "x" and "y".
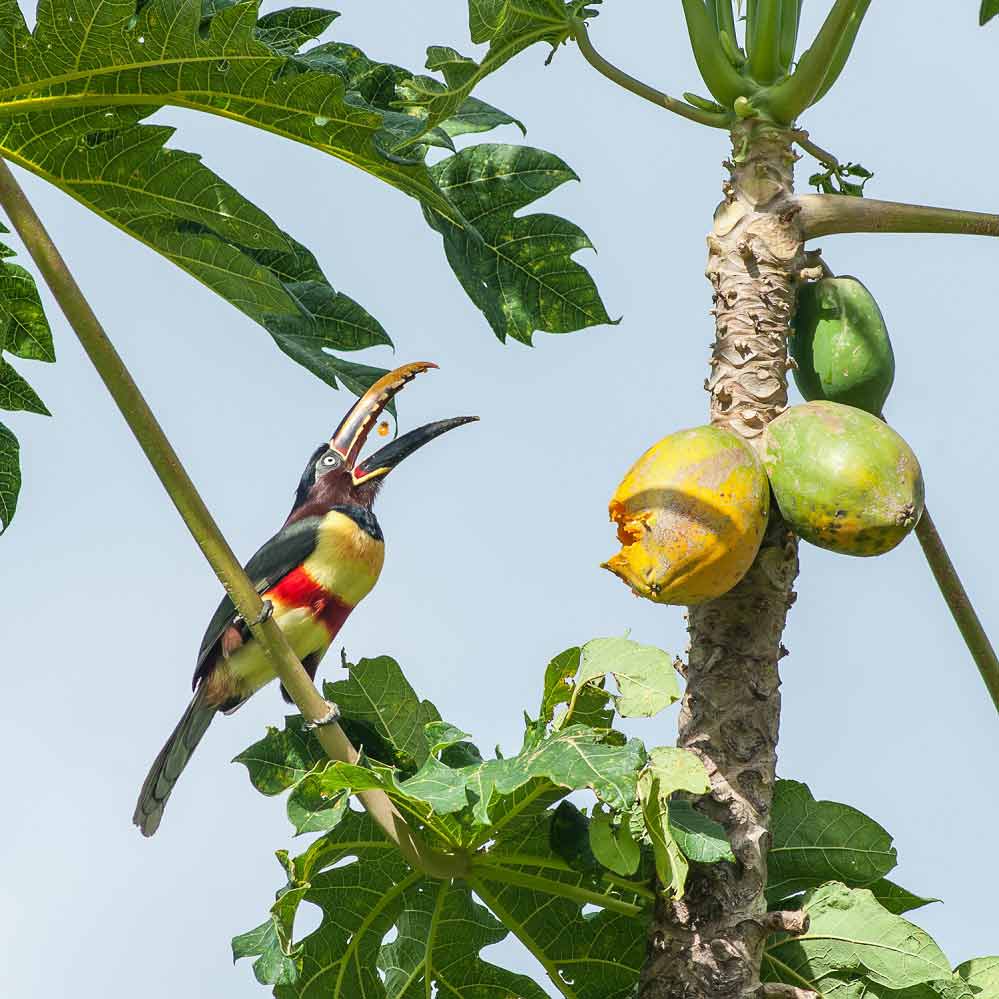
{"x": 331, "y": 459}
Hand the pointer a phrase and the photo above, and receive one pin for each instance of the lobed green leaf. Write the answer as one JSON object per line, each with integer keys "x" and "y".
{"x": 851, "y": 934}
{"x": 10, "y": 476}
{"x": 818, "y": 841}
{"x": 517, "y": 269}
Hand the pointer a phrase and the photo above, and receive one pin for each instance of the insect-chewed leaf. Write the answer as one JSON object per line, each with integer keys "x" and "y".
{"x": 818, "y": 841}
{"x": 851, "y": 934}
{"x": 645, "y": 675}
{"x": 518, "y": 269}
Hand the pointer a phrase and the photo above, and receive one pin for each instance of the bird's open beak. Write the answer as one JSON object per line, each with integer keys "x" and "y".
{"x": 385, "y": 459}
{"x": 351, "y": 435}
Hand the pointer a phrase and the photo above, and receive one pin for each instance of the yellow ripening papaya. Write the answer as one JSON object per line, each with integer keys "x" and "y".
{"x": 690, "y": 515}
{"x": 843, "y": 479}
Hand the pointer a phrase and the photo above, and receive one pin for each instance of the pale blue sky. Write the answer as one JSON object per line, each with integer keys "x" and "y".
{"x": 495, "y": 534}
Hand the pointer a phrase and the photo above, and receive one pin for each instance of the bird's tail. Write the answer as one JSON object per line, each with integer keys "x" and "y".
{"x": 170, "y": 763}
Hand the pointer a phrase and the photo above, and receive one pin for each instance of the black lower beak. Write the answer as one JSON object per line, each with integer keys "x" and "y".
{"x": 385, "y": 459}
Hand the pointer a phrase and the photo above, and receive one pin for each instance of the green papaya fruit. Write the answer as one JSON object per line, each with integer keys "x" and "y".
{"x": 843, "y": 479}
{"x": 840, "y": 345}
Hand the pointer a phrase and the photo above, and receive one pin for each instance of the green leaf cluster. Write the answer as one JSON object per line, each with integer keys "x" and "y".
{"x": 76, "y": 93}
{"x": 831, "y": 860}
{"x": 574, "y": 885}
{"x": 24, "y": 333}
{"x": 573, "y": 888}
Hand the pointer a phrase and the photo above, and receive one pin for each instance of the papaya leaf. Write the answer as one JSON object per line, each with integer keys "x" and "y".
{"x": 510, "y": 26}
{"x": 700, "y": 838}
{"x": 312, "y": 809}
{"x": 850, "y": 934}
{"x": 613, "y": 844}
{"x": 24, "y": 333}
{"x": 981, "y": 973}
{"x": 818, "y": 841}
{"x": 282, "y": 757}
{"x": 24, "y": 329}
{"x": 586, "y": 956}
{"x": 987, "y": 11}
{"x": 10, "y": 476}
{"x": 16, "y": 394}
{"x": 271, "y": 943}
{"x": 443, "y": 735}
{"x": 896, "y": 899}
{"x": 365, "y": 890}
{"x": 377, "y": 693}
{"x": 846, "y": 986}
{"x": 517, "y": 269}
{"x": 104, "y": 53}
{"x": 441, "y": 931}
{"x": 645, "y": 675}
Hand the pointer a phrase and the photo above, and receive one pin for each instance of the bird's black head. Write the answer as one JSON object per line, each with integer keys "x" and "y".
{"x": 334, "y": 477}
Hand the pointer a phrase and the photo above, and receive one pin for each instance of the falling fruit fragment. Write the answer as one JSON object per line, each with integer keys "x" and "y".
{"x": 843, "y": 479}
{"x": 690, "y": 514}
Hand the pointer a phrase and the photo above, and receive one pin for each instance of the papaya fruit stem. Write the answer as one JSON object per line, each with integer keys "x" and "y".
{"x": 830, "y": 214}
{"x": 714, "y": 119}
{"x": 959, "y": 603}
{"x": 826, "y": 158}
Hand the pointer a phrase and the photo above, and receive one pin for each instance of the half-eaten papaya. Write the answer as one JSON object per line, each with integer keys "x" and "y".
{"x": 690, "y": 515}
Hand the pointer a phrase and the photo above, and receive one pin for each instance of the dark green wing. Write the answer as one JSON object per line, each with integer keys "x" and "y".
{"x": 289, "y": 548}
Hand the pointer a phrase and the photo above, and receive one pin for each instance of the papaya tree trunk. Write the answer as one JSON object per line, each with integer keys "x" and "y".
{"x": 709, "y": 943}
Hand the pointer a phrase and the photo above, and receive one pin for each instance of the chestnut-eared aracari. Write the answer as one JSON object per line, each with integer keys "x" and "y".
{"x": 311, "y": 575}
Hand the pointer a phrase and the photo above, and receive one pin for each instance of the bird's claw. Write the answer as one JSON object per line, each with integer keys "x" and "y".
{"x": 331, "y": 716}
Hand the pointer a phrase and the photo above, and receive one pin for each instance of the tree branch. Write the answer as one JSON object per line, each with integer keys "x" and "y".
{"x": 167, "y": 465}
{"x": 960, "y": 604}
{"x": 623, "y": 79}
{"x": 828, "y": 214}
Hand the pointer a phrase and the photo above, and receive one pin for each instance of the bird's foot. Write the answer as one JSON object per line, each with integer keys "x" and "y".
{"x": 331, "y": 716}
{"x": 266, "y": 611}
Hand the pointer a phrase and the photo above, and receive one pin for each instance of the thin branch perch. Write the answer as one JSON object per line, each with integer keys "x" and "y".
{"x": 196, "y": 516}
{"x": 830, "y": 214}
{"x": 960, "y": 604}
{"x": 657, "y": 97}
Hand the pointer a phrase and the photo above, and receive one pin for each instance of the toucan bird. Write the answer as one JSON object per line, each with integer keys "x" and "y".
{"x": 311, "y": 575}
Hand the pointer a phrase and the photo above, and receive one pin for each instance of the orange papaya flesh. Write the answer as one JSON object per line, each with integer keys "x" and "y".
{"x": 690, "y": 516}
{"x": 843, "y": 479}
{"x": 840, "y": 345}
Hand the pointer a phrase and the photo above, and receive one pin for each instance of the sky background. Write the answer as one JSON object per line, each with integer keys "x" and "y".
{"x": 495, "y": 533}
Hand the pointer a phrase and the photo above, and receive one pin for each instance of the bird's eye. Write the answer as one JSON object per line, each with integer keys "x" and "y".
{"x": 330, "y": 460}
